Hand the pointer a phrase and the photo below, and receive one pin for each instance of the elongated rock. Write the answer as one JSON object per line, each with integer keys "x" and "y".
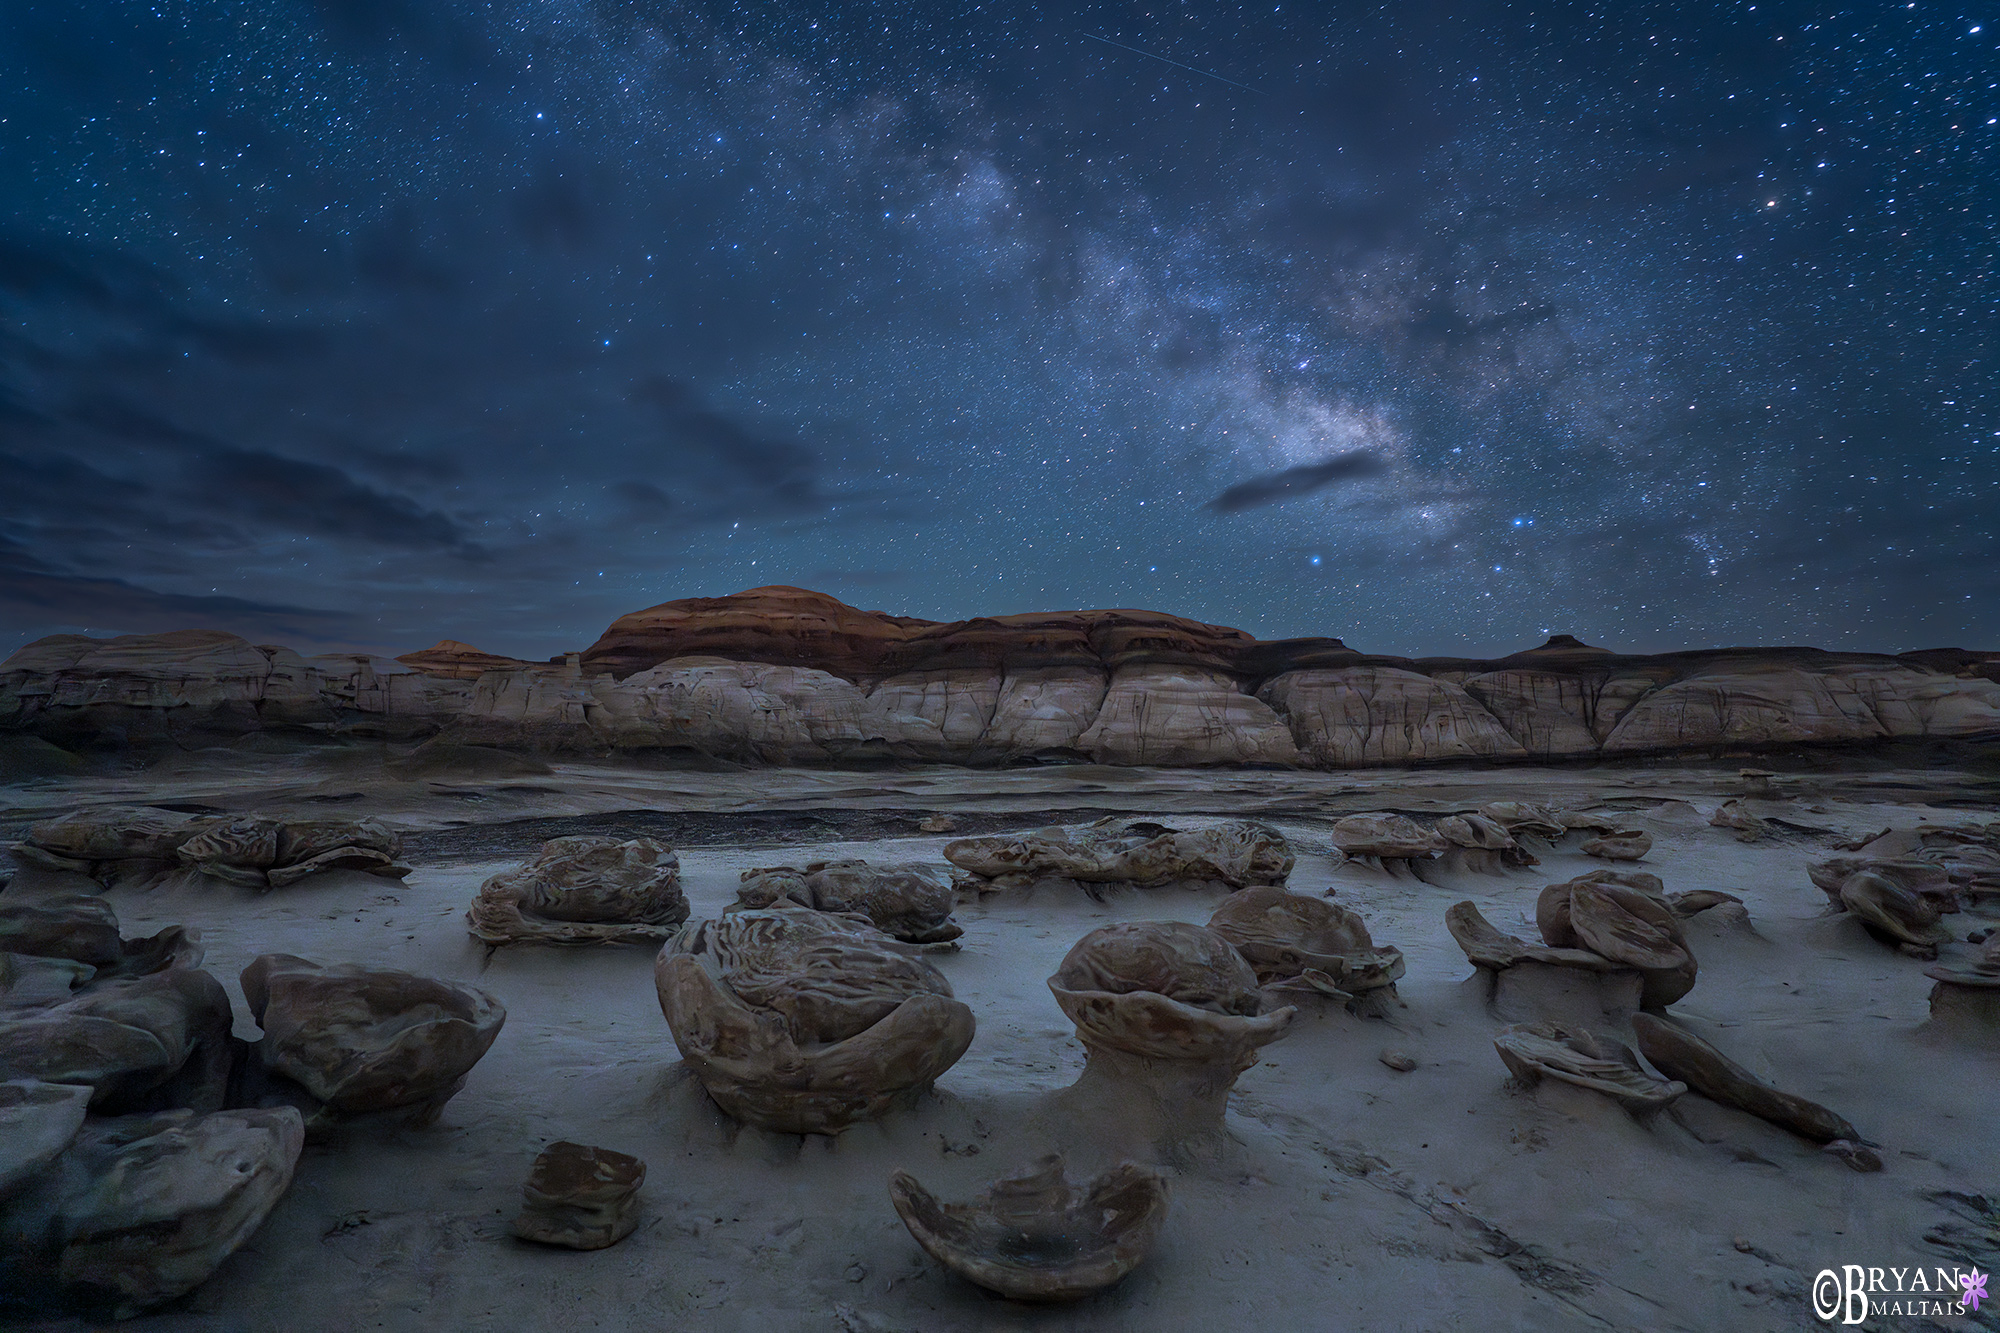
{"x": 1678, "y": 1053}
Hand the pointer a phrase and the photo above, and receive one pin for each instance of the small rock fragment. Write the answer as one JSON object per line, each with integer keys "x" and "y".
{"x": 1398, "y": 1060}
{"x": 580, "y": 1197}
{"x": 1855, "y": 1155}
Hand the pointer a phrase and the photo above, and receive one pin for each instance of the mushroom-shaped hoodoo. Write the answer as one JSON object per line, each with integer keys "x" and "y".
{"x": 1522, "y": 819}
{"x": 806, "y": 1022}
{"x": 1033, "y": 1236}
{"x": 1393, "y": 842}
{"x": 1296, "y": 942}
{"x": 911, "y": 901}
{"x": 1968, "y": 995}
{"x": 1169, "y": 1014}
{"x": 584, "y": 890}
{"x": 1625, "y": 924}
{"x": 1577, "y": 1056}
{"x": 1232, "y": 855}
{"x": 355, "y": 1040}
{"x": 1478, "y": 844}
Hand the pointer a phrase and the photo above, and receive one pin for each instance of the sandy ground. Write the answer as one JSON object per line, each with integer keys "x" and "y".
{"x": 1347, "y": 1195}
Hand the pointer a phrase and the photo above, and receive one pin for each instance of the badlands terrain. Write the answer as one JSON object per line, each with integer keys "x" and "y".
{"x": 1793, "y": 855}
{"x": 1342, "y": 1192}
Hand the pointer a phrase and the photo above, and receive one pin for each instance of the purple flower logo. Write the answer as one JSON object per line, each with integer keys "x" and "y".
{"x": 1975, "y": 1287}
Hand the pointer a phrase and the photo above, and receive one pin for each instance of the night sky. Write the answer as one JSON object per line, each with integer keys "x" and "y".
{"x": 1436, "y": 327}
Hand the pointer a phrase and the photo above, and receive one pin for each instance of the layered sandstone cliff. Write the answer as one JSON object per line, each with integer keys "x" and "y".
{"x": 780, "y": 675}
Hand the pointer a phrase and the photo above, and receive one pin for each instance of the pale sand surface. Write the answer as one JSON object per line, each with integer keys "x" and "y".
{"x": 1347, "y": 1196}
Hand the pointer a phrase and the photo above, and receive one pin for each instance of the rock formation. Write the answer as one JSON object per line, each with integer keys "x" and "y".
{"x": 1680, "y": 1054}
{"x": 357, "y": 1040}
{"x": 583, "y": 890}
{"x": 580, "y": 1198}
{"x": 782, "y": 675}
{"x": 1584, "y": 1059}
{"x": 1233, "y": 855}
{"x": 805, "y": 1022}
{"x": 910, "y": 901}
{"x": 115, "y": 845}
{"x": 1295, "y": 942}
{"x": 1169, "y": 1015}
{"x": 140, "y": 1209}
{"x": 1610, "y": 944}
{"x": 1033, "y": 1236}
{"x": 1620, "y": 845}
{"x": 1966, "y": 996}
{"x": 1901, "y": 901}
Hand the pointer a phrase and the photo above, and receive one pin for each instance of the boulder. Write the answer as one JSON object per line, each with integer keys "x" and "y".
{"x": 584, "y": 890}
{"x": 82, "y": 927}
{"x": 140, "y": 1209}
{"x": 360, "y": 1040}
{"x": 143, "y": 1044}
{"x": 1292, "y": 941}
{"x": 1583, "y": 1059}
{"x": 580, "y": 1198}
{"x": 805, "y": 1022}
{"x": 37, "y": 1121}
{"x": 1233, "y": 855}
{"x": 910, "y": 901}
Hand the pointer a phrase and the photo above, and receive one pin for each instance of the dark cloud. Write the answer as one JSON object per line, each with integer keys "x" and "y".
{"x": 1294, "y": 482}
{"x": 34, "y": 594}
{"x": 777, "y": 473}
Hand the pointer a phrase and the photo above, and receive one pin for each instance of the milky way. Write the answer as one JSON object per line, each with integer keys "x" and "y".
{"x": 1436, "y": 328}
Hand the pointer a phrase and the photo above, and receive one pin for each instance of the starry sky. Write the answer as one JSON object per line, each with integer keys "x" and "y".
{"x": 1438, "y": 327}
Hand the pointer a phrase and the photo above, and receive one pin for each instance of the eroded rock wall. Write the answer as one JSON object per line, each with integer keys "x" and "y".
{"x": 801, "y": 683}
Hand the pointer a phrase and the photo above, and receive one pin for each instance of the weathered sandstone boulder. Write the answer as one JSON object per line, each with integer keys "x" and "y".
{"x": 580, "y": 1198}
{"x": 82, "y": 927}
{"x": 37, "y": 1121}
{"x": 1232, "y": 855}
{"x": 1033, "y": 1236}
{"x": 1966, "y": 996}
{"x": 911, "y": 901}
{"x": 805, "y": 1022}
{"x": 1680, "y": 1054}
{"x": 142, "y": 1044}
{"x": 1583, "y": 1059}
{"x": 138, "y": 1210}
{"x": 359, "y": 1040}
{"x": 1620, "y": 845}
{"x": 1627, "y": 925}
{"x": 583, "y": 890}
{"x": 1386, "y": 837}
{"x": 117, "y": 845}
{"x": 1292, "y": 941}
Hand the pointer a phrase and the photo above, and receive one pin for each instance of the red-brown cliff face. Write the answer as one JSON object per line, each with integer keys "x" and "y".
{"x": 795, "y": 627}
